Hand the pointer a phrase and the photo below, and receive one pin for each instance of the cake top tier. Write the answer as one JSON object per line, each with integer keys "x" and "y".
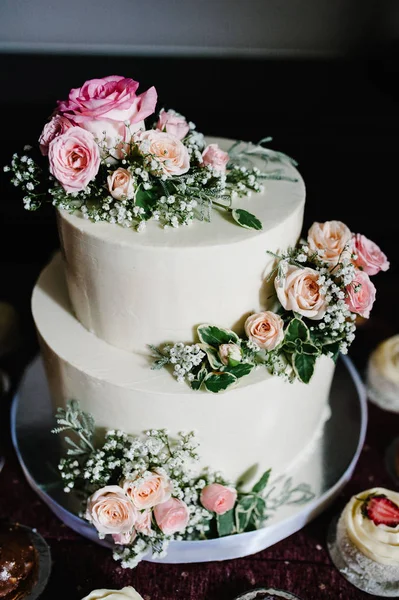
{"x": 276, "y": 203}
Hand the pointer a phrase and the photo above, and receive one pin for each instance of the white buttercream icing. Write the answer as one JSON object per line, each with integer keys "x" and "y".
{"x": 132, "y": 289}
{"x": 263, "y": 422}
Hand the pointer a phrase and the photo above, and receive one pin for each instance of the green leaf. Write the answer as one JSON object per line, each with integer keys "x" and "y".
{"x": 146, "y": 200}
{"x": 296, "y": 330}
{"x": 246, "y": 219}
{"x": 333, "y": 348}
{"x": 213, "y": 356}
{"x": 214, "y": 336}
{"x": 304, "y": 366}
{"x": 262, "y": 483}
{"x": 217, "y": 382}
{"x": 198, "y": 381}
{"x": 310, "y": 349}
{"x": 225, "y": 523}
{"x": 290, "y": 347}
{"x": 243, "y": 511}
{"x": 239, "y": 370}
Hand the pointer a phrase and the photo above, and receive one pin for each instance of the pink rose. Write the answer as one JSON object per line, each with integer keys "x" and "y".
{"x": 111, "y": 511}
{"x": 298, "y": 290}
{"x": 74, "y": 159}
{"x": 107, "y": 105}
{"x": 265, "y": 329}
{"x": 218, "y": 498}
{"x": 173, "y": 123}
{"x": 121, "y": 184}
{"x": 147, "y": 491}
{"x": 369, "y": 256}
{"x": 215, "y": 157}
{"x": 361, "y": 294}
{"x": 230, "y": 354}
{"x": 124, "y": 539}
{"x": 332, "y": 238}
{"x": 171, "y": 516}
{"x": 143, "y": 523}
{"x": 170, "y": 154}
{"x": 57, "y": 126}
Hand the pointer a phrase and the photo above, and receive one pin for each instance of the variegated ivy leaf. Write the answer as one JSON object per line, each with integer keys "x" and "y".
{"x": 239, "y": 370}
{"x": 307, "y": 348}
{"x": 332, "y": 349}
{"x": 243, "y": 511}
{"x": 217, "y": 382}
{"x": 304, "y": 366}
{"x": 246, "y": 219}
{"x": 296, "y": 330}
{"x": 225, "y": 523}
{"x": 198, "y": 381}
{"x": 213, "y": 356}
{"x": 214, "y": 336}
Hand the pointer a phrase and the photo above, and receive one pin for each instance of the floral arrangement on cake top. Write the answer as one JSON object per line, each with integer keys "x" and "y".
{"x": 321, "y": 286}
{"x": 140, "y": 493}
{"x": 98, "y": 155}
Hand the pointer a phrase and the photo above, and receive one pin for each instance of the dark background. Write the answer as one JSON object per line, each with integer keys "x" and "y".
{"x": 337, "y": 116}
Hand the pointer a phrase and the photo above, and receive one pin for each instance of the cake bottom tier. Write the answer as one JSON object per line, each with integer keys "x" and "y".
{"x": 263, "y": 422}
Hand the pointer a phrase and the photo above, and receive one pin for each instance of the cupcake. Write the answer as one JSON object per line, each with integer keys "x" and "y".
{"x": 365, "y": 544}
{"x": 382, "y": 378}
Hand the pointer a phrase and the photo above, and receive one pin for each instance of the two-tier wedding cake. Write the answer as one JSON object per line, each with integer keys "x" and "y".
{"x": 172, "y": 308}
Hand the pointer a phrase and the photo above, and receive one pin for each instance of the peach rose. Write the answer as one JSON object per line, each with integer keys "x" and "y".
{"x": 74, "y": 159}
{"x": 124, "y": 539}
{"x": 171, "y": 516}
{"x": 149, "y": 490}
{"x": 57, "y": 126}
{"x": 369, "y": 256}
{"x": 107, "y": 105}
{"x": 218, "y": 498}
{"x": 265, "y": 329}
{"x": 215, "y": 157}
{"x": 111, "y": 511}
{"x": 333, "y": 237}
{"x": 120, "y": 184}
{"x": 361, "y": 294}
{"x": 173, "y": 123}
{"x": 170, "y": 153}
{"x": 143, "y": 523}
{"x": 299, "y": 291}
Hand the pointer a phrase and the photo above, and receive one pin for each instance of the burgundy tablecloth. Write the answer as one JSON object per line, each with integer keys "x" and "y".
{"x": 300, "y": 563}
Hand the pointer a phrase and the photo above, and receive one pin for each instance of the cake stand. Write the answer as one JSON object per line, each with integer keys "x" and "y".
{"x": 327, "y": 467}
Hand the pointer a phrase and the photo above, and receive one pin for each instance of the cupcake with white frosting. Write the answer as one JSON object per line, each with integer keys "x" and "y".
{"x": 366, "y": 544}
{"x": 382, "y": 379}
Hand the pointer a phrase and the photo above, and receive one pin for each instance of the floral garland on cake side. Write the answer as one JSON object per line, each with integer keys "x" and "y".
{"x": 97, "y": 156}
{"x": 139, "y": 492}
{"x": 322, "y": 285}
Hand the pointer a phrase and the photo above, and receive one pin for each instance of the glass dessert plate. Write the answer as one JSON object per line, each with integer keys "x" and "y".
{"x": 327, "y": 468}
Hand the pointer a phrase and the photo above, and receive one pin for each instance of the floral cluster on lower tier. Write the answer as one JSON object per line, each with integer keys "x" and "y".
{"x": 141, "y": 492}
{"x": 98, "y": 155}
{"x": 322, "y": 285}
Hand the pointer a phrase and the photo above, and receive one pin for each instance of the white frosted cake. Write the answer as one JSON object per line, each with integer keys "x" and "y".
{"x": 185, "y": 319}
{"x": 114, "y": 292}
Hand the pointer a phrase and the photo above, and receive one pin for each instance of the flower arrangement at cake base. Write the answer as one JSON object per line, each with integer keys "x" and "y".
{"x": 322, "y": 285}
{"x": 141, "y": 492}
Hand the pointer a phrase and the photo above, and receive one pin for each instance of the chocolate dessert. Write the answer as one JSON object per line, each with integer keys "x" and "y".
{"x": 18, "y": 562}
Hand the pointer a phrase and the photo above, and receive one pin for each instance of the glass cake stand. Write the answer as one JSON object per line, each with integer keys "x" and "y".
{"x": 327, "y": 468}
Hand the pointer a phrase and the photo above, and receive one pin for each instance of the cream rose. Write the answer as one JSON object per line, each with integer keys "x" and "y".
{"x": 111, "y": 511}
{"x": 126, "y": 593}
{"x": 299, "y": 291}
{"x": 120, "y": 184}
{"x": 149, "y": 490}
{"x": 265, "y": 329}
{"x": 143, "y": 523}
{"x": 331, "y": 238}
{"x": 170, "y": 154}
